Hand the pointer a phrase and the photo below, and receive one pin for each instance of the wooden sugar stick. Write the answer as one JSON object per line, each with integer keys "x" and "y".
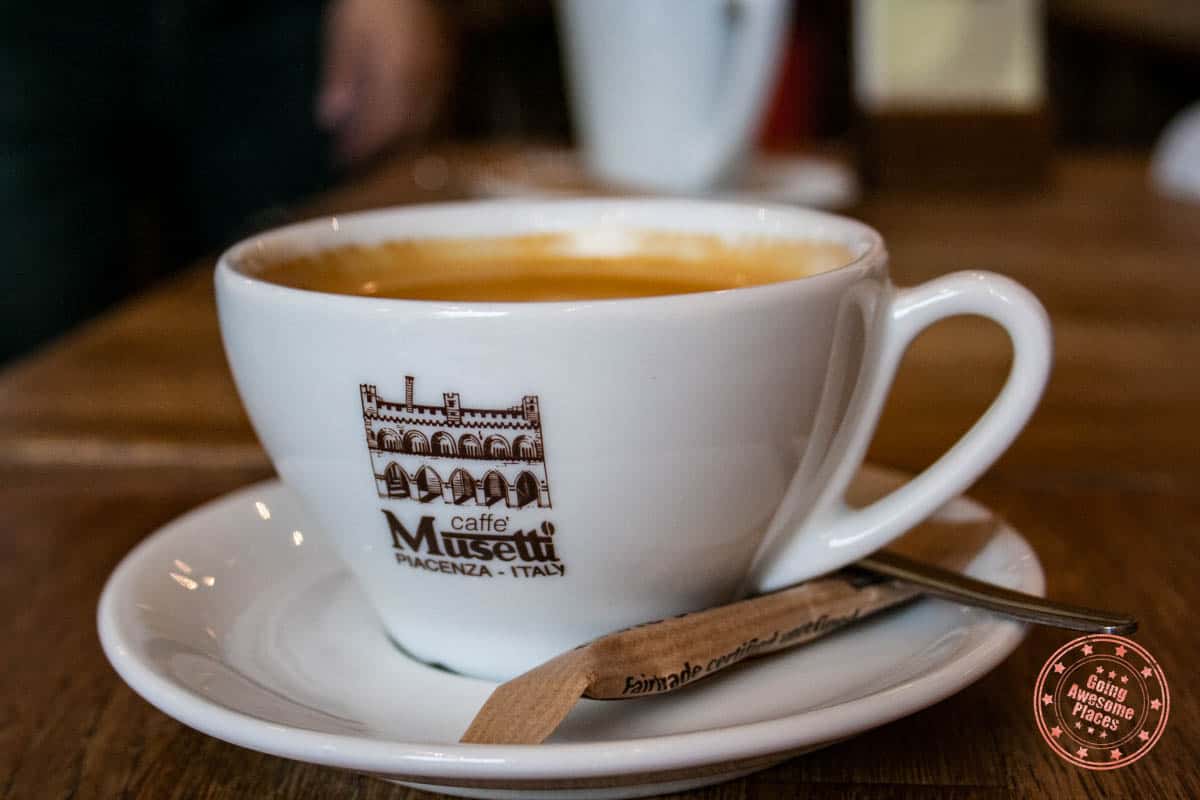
{"x": 669, "y": 654}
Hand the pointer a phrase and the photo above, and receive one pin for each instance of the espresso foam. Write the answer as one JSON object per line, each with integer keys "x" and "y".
{"x": 580, "y": 265}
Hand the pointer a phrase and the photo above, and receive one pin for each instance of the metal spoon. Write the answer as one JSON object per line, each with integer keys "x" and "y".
{"x": 959, "y": 588}
{"x": 528, "y": 708}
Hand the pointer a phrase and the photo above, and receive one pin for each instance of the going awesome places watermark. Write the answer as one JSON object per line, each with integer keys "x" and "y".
{"x": 1101, "y": 701}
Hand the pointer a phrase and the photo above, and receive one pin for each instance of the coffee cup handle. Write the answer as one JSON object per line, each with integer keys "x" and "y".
{"x": 832, "y": 534}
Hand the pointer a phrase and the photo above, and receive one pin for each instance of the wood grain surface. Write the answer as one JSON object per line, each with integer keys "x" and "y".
{"x": 132, "y": 420}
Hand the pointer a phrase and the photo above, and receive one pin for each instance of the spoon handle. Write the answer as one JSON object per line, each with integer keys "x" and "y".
{"x": 959, "y": 588}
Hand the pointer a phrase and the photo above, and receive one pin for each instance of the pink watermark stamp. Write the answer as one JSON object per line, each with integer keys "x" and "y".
{"x": 1101, "y": 701}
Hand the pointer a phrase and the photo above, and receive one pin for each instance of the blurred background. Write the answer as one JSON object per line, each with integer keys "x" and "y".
{"x": 140, "y": 136}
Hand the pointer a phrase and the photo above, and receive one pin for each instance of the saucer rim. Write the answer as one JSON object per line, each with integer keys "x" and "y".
{"x": 437, "y": 762}
{"x": 490, "y": 181}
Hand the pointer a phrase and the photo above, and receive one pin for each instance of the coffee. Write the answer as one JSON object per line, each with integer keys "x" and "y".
{"x": 595, "y": 265}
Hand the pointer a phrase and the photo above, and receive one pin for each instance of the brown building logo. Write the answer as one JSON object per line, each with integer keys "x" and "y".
{"x": 462, "y": 456}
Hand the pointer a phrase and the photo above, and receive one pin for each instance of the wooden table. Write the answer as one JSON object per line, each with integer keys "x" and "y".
{"x": 133, "y": 419}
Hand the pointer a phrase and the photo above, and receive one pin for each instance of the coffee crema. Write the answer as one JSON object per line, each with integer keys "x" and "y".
{"x": 580, "y": 265}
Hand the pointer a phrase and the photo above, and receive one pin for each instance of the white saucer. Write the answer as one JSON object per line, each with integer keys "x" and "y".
{"x": 237, "y": 619}
{"x": 807, "y": 180}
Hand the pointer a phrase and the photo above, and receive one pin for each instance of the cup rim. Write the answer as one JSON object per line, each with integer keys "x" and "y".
{"x": 610, "y": 211}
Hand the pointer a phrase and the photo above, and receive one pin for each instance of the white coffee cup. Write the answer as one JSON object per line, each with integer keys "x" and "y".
{"x": 667, "y": 94}
{"x": 509, "y": 480}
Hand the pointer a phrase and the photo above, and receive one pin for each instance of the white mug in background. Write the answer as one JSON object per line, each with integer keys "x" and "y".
{"x": 509, "y": 480}
{"x": 667, "y": 95}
